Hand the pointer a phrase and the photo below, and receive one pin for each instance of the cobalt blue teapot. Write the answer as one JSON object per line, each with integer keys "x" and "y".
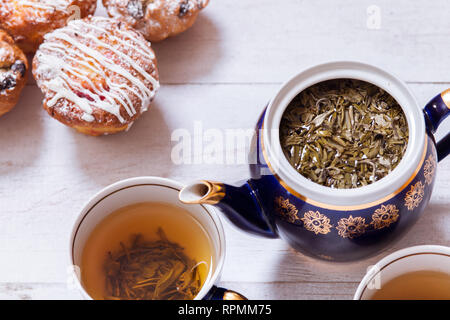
{"x": 327, "y": 223}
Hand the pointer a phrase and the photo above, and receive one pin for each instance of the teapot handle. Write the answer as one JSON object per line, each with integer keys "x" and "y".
{"x": 218, "y": 293}
{"x": 435, "y": 112}
{"x": 443, "y": 147}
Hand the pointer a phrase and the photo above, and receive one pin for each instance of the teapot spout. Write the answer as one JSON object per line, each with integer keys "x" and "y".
{"x": 239, "y": 204}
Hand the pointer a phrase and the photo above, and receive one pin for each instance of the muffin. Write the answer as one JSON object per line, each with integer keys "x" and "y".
{"x": 27, "y": 21}
{"x": 156, "y": 19}
{"x": 13, "y": 72}
{"x": 98, "y": 75}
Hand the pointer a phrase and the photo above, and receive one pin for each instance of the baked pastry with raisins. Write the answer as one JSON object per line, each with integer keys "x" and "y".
{"x": 156, "y": 19}
{"x": 13, "y": 72}
{"x": 27, "y": 21}
{"x": 98, "y": 75}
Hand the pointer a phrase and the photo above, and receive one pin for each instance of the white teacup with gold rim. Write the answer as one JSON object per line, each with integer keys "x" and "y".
{"x": 415, "y": 273}
{"x": 135, "y": 240}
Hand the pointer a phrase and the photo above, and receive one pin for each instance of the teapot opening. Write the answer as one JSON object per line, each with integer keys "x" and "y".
{"x": 334, "y": 197}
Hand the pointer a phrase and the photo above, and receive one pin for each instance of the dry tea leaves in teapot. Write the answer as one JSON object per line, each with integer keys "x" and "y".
{"x": 344, "y": 133}
{"x": 151, "y": 270}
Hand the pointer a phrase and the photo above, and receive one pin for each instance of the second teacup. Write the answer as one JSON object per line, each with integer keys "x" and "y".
{"x": 415, "y": 273}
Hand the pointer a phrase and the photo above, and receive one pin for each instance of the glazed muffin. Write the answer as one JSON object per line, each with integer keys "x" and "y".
{"x": 13, "y": 72}
{"x": 98, "y": 75}
{"x": 27, "y": 21}
{"x": 156, "y": 19}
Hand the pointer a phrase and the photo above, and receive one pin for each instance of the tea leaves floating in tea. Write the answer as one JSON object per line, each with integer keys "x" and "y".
{"x": 344, "y": 133}
{"x": 151, "y": 270}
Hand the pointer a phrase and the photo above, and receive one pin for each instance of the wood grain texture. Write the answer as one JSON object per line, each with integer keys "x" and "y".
{"x": 220, "y": 73}
{"x": 269, "y": 41}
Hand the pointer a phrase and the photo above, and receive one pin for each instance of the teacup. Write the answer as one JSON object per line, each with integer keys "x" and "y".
{"x": 333, "y": 224}
{"x": 151, "y": 189}
{"x": 427, "y": 258}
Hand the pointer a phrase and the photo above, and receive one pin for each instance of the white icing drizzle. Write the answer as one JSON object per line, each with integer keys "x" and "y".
{"x": 46, "y": 4}
{"x": 54, "y": 58}
{"x": 129, "y": 35}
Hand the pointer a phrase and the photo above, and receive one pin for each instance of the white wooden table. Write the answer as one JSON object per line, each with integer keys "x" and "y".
{"x": 221, "y": 72}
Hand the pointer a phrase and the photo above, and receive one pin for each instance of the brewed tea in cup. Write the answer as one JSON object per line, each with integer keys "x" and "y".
{"x": 146, "y": 251}
{"x": 134, "y": 240}
{"x": 422, "y": 285}
{"x": 416, "y": 273}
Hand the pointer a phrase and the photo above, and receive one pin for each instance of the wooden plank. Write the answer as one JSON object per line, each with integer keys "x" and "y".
{"x": 37, "y": 291}
{"x": 219, "y": 74}
{"x": 294, "y": 290}
{"x": 48, "y": 171}
{"x": 253, "y": 291}
{"x": 269, "y": 41}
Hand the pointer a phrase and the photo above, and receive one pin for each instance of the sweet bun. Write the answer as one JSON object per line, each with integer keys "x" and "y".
{"x": 98, "y": 75}
{"x": 156, "y": 19}
{"x": 13, "y": 72}
{"x": 27, "y": 21}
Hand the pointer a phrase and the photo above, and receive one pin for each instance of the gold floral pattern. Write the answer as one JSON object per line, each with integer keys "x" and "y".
{"x": 316, "y": 222}
{"x": 351, "y": 227}
{"x": 429, "y": 169}
{"x": 414, "y": 196}
{"x": 286, "y": 209}
{"x": 385, "y": 216}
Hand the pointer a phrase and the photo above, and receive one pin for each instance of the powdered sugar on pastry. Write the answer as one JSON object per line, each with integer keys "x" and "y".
{"x": 13, "y": 72}
{"x": 156, "y": 19}
{"x": 27, "y": 21}
{"x": 46, "y": 4}
{"x": 97, "y": 63}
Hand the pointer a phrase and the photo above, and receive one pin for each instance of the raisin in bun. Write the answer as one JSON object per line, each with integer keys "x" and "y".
{"x": 13, "y": 72}
{"x": 98, "y": 75}
{"x": 156, "y": 19}
{"x": 27, "y": 21}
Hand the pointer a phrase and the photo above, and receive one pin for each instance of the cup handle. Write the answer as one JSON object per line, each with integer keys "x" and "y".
{"x": 435, "y": 112}
{"x": 218, "y": 293}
